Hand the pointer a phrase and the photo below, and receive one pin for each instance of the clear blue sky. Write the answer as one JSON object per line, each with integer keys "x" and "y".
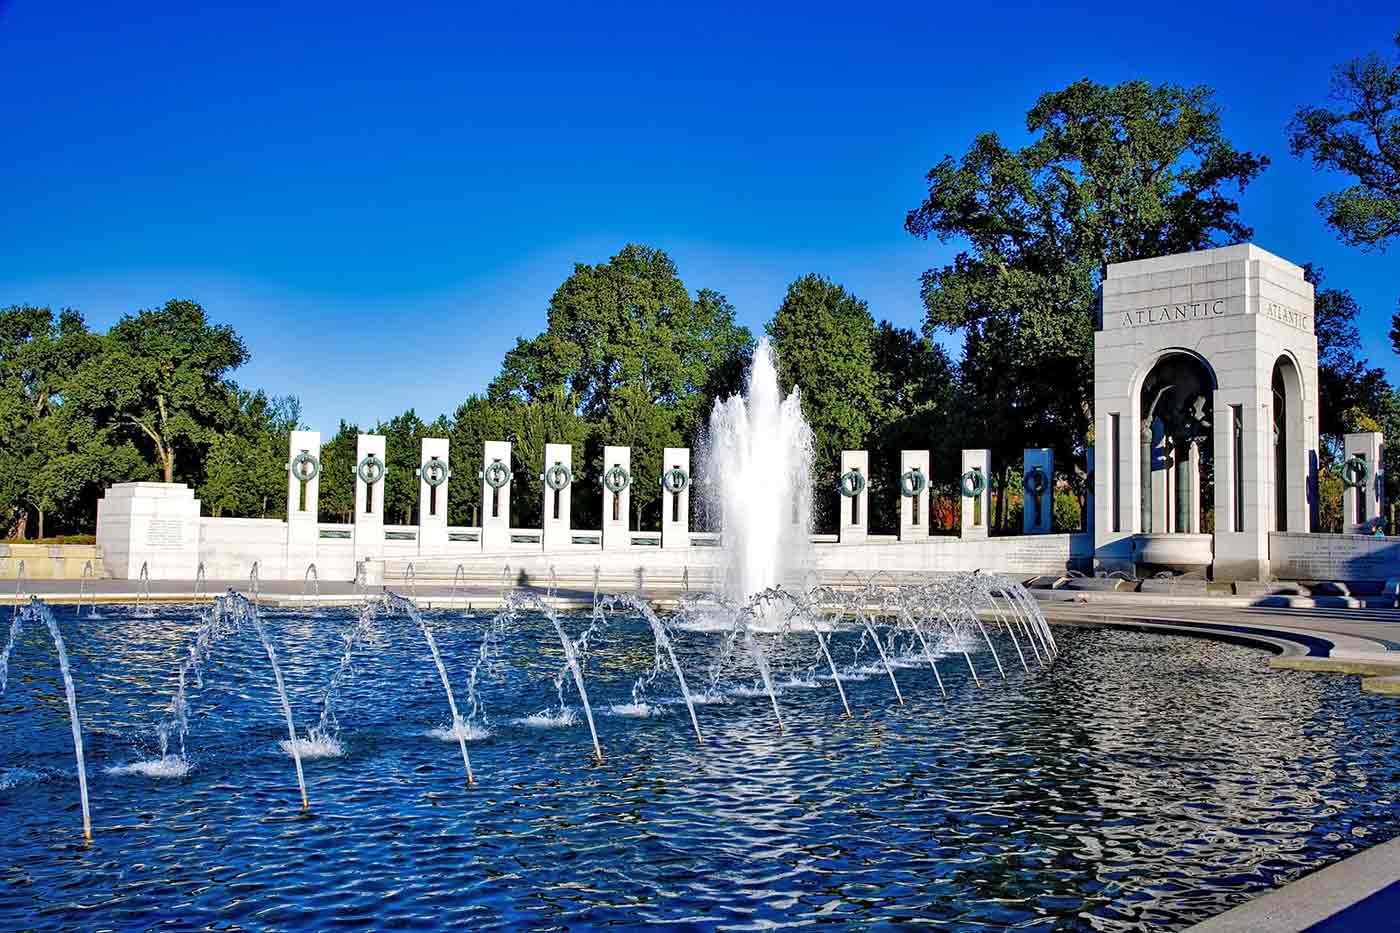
{"x": 380, "y": 198}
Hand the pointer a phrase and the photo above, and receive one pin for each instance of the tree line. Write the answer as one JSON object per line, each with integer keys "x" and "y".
{"x": 633, "y": 356}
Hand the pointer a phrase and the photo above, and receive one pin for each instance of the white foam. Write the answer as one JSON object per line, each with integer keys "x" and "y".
{"x": 548, "y": 719}
{"x": 314, "y": 746}
{"x": 171, "y": 766}
{"x": 638, "y": 710}
{"x": 466, "y": 731}
{"x": 748, "y": 692}
{"x": 796, "y": 684}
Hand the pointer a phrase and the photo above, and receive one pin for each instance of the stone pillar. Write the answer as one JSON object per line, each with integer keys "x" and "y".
{"x": 1157, "y": 520}
{"x": 913, "y": 495}
{"x": 557, "y": 481}
{"x": 1194, "y": 516}
{"x": 370, "y": 476}
{"x": 495, "y": 478}
{"x": 1363, "y": 496}
{"x": 675, "y": 498}
{"x": 1087, "y": 519}
{"x": 616, "y": 483}
{"x": 976, "y": 508}
{"x": 1038, "y": 521}
{"x": 433, "y": 476}
{"x": 156, "y": 524}
{"x": 303, "y": 498}
{"x": 853, "y": 509}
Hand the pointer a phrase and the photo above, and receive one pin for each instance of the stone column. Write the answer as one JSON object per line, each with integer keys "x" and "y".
{"x": 1038, "y": 521}
{"x": 675, "y": 498}
{"x": 1155, "y": 455}
{"x": 1194, "y": 518}
{"x": 496, "y": 479}
{"x": 1363, "y": 498}
{"x": 853, "y": 512}
{"x": 370, "y": 476}
{"x": 557, "y": 481}
{"x": 913, "y": 495}
{"x": 433, "y": 476}
{"x": 976, "y": 508}
{"x": 617, "y": 500}
{"x": 1087, "y": 519}
{"x": 1242, "y": 553}
{"x": 303, "y": 498}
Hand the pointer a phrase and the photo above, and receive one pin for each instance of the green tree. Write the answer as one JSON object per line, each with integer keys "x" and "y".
{"x": 336, "y": 484}
{"x": 52, "y": 461}
{"x": 551, "y": 418}
{"x": 403, "y": 441}
{"x": 917, "y": 412}
{"x": 476, "y": 421}
{"x": 826, "y": 340}
{"x": 245, "y": 470}
{"x": 163, "y": 377}
{"x": 1359, "y": 136}
{"x": 1347, "y": 385}
{"x": 1113, "y": 173}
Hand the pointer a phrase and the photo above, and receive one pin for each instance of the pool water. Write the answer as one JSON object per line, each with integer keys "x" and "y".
{"x": 1141, "y": 782}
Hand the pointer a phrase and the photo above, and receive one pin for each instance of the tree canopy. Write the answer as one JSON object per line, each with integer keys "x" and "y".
{"x": 1357, "y": 136}
{"x": 1112, "y": 173}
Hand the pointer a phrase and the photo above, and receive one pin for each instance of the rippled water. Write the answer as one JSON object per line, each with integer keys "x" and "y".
{"x": 1146, "y": 782}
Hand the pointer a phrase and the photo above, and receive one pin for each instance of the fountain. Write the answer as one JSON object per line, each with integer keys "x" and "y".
{"x": 457, "y": 576}
{"x": 37, "y": 611}
{"x": 756, "y": 466}
{"x": 82, "y": 591}
{"x": 311, "y": 579}
{"x": 227, "y": 615}
{"x": 19, "y": 582}
{"x": 143, "y": 599}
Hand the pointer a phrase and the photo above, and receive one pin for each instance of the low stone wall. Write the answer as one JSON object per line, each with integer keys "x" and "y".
{"x": 49, "y": 561}
{"x": 1022, "y": 556}
{"x": 1300, "y": 556}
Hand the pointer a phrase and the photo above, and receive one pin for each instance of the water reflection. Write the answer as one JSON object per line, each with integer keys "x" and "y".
{"x": 1143, "y": 782}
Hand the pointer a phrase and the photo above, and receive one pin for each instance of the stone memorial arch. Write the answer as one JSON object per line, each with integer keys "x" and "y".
{"x": 1205, "y": 412}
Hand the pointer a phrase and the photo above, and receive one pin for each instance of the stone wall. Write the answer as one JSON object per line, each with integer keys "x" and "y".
{"x": 1300, "y": 556}
{"x": 49, "y": 561}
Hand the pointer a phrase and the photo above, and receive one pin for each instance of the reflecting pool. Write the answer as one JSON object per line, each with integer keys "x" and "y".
{"x": 1139, "y": 782}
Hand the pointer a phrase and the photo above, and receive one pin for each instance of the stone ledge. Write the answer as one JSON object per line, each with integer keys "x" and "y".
{"x": 1315, "y": 897}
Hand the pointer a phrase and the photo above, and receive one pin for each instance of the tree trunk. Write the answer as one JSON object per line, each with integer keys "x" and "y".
{"x": 22, "y": 526}
{"x": 41, "y": 523}
{"x": 167, "y": 462}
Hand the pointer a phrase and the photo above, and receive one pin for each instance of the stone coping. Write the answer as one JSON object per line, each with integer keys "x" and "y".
{"x": 1358, "y": 892}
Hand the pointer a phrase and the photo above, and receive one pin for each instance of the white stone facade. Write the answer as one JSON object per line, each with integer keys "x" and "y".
{"x": 1363, "y": 498}
{"x": 155, "y": 525}
{"x": 853, "y": 511}
{"x": 913, "y": 509}
{"x": 617, "y": 504}
{"x": 675, "y": 498}
{"x": 1246, "y": 316}
{"x": 976, "y": 504}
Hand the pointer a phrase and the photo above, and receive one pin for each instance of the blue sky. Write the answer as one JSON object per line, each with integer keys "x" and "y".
{"x": 381, "y": 198}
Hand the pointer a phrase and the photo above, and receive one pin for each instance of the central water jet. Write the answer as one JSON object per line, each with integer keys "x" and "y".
{"x": 757, "y": 471}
